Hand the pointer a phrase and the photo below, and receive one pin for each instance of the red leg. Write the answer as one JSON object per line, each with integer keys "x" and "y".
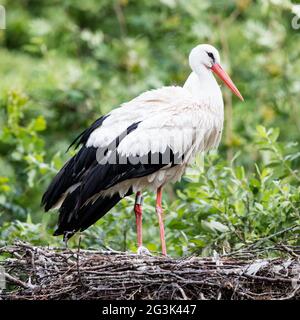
{"x": 138, "y": 210}
{"x": 159, "y": 212}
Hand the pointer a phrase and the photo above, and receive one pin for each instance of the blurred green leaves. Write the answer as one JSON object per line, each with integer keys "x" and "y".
{"x": 64, "y": 63}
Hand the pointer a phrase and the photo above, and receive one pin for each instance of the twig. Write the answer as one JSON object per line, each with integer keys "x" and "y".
{"x": 121, "y": 18}
{"x": 17, "y": 281}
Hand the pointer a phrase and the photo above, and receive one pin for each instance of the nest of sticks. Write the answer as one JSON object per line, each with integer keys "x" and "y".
{"x": 40, "y": 273}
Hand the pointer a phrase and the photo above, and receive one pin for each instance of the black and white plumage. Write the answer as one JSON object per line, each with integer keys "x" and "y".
{"x": 145, "y": 143}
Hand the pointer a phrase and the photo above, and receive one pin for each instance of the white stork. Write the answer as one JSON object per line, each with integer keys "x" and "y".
{"x": 145, "y": 143}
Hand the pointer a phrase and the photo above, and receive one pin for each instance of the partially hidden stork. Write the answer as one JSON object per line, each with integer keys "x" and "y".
{"x": 145, "y": 143}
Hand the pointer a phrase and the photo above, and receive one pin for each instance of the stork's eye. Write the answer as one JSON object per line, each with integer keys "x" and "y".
{"x": 211, "y": 56}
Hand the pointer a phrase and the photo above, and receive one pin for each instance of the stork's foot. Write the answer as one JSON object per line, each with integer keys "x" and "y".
{"x": 143, "y": 251}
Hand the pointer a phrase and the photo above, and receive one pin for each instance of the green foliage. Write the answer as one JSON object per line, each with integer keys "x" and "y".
{"x": 229, "y": 207}
{"x": 64, "y": 63}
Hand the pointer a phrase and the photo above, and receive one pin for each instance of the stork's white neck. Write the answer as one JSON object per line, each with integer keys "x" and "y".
{"x": 205, "y": 89}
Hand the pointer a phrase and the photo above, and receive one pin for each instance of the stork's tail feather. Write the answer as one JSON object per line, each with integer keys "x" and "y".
{"x": 72, "y": 220}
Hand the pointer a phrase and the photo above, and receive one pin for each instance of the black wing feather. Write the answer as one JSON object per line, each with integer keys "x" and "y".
{"x": 69, "y": 175}
{"x": 77, "y": 211}
{"x": 86, "y": 216}
{"x": 72, "y": 171}
{"x": 84, "y": 136}
{"x": 103, "y": 177}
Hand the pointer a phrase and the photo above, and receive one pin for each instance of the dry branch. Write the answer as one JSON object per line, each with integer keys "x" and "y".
{"x": 56, "y": 273}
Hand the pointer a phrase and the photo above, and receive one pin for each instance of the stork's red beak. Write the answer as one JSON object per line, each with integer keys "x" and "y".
{"x": 218, "y": 70}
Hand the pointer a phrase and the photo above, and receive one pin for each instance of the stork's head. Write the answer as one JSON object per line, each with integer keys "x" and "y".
{"x": 205, "y": 57}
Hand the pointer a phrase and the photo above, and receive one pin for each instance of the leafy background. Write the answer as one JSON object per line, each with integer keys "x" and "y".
{"x": 64, "y": 63}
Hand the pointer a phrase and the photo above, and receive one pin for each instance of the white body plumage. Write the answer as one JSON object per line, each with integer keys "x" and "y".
{"x": 173, "y": 117}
